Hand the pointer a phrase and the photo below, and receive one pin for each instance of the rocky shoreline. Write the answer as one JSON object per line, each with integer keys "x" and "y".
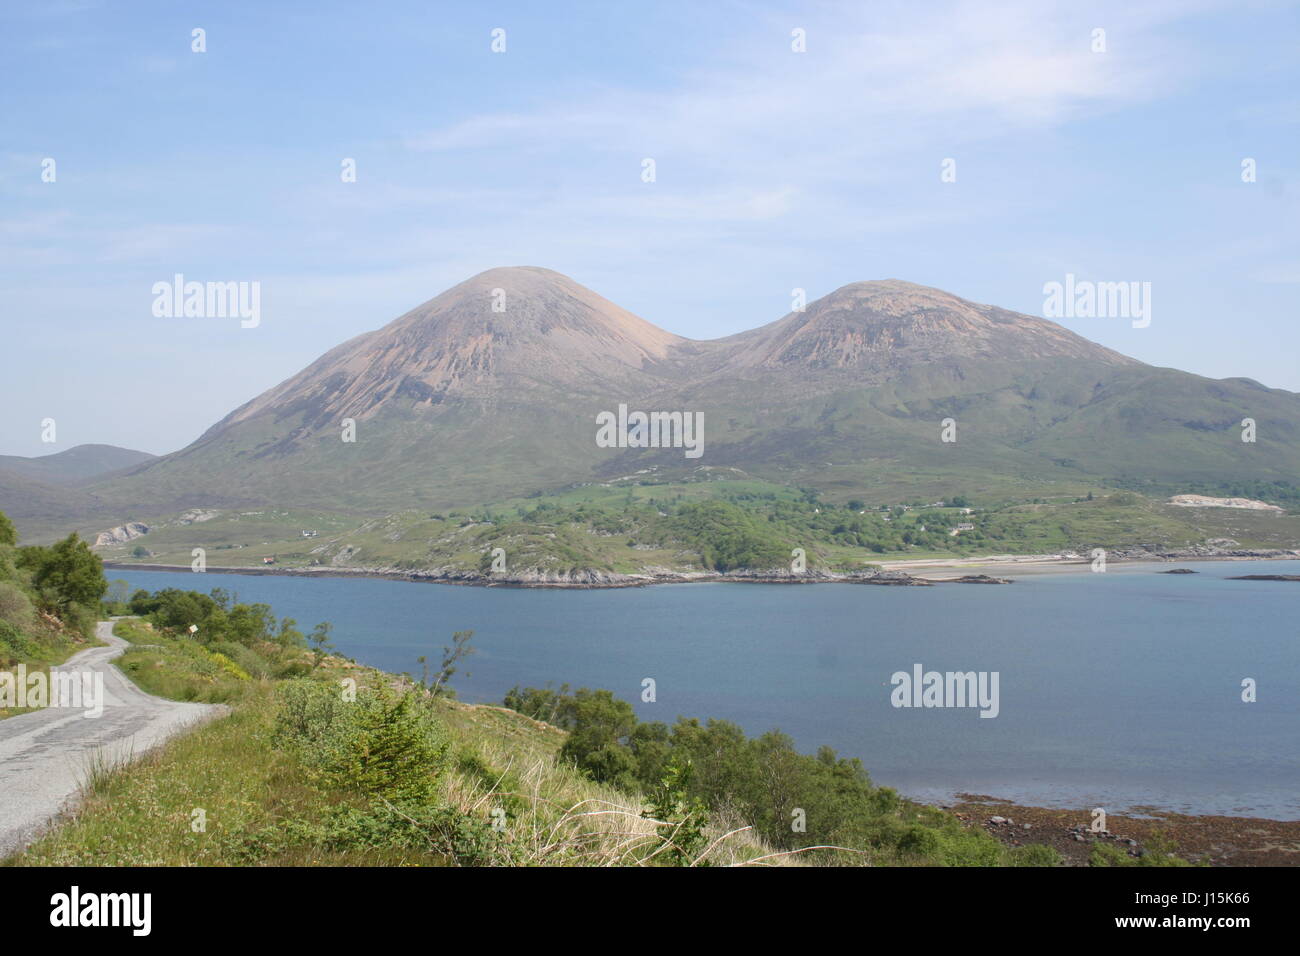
{"x": 1212, "y": 840}
{"x": 1201, "y": 552}
{"x": 585, "y": 578}
{"x": 588, "y": 578}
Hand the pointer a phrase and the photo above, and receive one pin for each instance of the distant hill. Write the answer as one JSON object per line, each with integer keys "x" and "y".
{"x": 77, "y": 465}
{"x": 23, "y": 499}
{"x": 50, "y": 492}
{"x": 491, "y": 390}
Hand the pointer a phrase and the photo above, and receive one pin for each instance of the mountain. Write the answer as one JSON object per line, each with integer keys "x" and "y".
{"x": 550, "y": 333}
{"x": 77, "y": 465}
{"x": 492, "y": 390}
{"x": 51, "y": 488}
{"x": 878, "y": 329}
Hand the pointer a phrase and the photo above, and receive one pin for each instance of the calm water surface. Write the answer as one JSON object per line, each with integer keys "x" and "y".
{"x": 1120, "y": 689}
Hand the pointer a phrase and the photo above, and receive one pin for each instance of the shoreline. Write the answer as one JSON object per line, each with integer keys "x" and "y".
{"x": 973, "y": 570}
{"x": 1066, "y": 563}
{"x": 1201, "y": 838}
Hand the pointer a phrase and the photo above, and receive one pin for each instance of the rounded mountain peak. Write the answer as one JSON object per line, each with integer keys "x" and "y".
{"x": 890, "y": 323}
{"x": 540, "y": 307}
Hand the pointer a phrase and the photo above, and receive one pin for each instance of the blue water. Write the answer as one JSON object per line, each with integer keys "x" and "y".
{"x": 1118, "y": 690}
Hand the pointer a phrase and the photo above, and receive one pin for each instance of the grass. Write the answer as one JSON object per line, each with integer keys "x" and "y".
{"x": 259, "y": 806}
{"x": 179, "y": 668}
{"x": 225, "y": 775}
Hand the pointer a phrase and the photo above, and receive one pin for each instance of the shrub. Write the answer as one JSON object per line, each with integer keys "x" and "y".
{"x": 1036, "y": 854}
{"x": 384, "y": 743}
{"x": 1159, "y": 852}
{"x": 919, "y": 841}
{"x": 383, "y": 826}
{"x": 763, "y": 781}
{"x": 15, "y": 646}
{"x": 229, "y": 666}
{"x": 15, "y": 606}
{"x": 252, "y": 663}
{"x": 681, "y": 818}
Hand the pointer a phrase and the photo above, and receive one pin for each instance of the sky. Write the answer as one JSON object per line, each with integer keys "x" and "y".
{"x": 774, "y": 170}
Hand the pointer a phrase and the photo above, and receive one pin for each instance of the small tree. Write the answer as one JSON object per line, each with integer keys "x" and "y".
{"x": 682, "y": 818}
{"x": 119, "y": 592}
{"x": 319, "y": 638}
{"x": 451, "y": 657}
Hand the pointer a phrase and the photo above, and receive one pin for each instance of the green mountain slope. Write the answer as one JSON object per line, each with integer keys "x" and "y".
{"x": 492, "y": 390}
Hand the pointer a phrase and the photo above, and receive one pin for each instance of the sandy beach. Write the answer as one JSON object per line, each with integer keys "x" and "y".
{"x": 1024, "y": 565}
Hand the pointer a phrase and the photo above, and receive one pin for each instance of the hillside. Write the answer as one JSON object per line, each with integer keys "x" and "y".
{"x": 48, "y": 493}
{"x": 76, "y": 465}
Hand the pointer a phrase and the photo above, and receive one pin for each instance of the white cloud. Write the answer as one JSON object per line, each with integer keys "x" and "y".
{"x": 969, "y": 65}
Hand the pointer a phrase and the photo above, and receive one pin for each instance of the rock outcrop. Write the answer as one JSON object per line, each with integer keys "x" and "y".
{"x": 121, "y": 534}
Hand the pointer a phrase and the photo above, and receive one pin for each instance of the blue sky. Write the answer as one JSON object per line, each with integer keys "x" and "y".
{"x": 775, "y": 170}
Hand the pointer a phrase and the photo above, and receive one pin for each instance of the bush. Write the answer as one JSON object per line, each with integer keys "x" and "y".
{"x": 1036, "y": 854}
{"x": 80, "y": 618}
{"x": 249, "y": 661}
{"x": 919, "y": 841}
{"x": 384, "y": 743}
{"x": 681, "y": 818}
{"x": 763, "y": 781}
{"x": 1159, "y": 852}
{"x": 382, "y": 826}
{"x": 15, "y": 606}
{"x": 15, "y": 646}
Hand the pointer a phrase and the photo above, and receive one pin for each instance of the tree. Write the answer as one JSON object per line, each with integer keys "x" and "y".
{"x": 602, "y": 724}
{"x": 681, "y": 817}
{"x": 319, "y": 638}
{"x": 119, "y": 591}
{"x": 451, "y": 656}
{"x": 542, "y": 703}
{"x": 66, "y": 573}
{"x": 8, "y": 534}
{"x": 174, "y": 608}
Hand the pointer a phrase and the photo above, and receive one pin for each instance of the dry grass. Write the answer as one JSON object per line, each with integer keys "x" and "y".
{"x": 563, "y": 818}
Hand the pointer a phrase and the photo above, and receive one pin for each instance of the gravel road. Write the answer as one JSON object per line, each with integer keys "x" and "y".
{"x": 45, "y": 755}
